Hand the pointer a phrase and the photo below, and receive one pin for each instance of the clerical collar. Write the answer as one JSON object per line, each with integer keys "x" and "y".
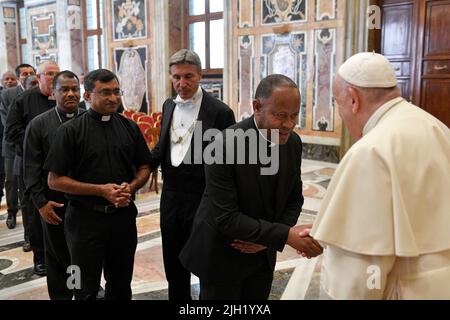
{"x": 66, "y": 114}
{"x": 377, "y": 115}
{"x": 270, "y": 143}
{"x": 189, "y": 102}
{"x": 100, "y": 117}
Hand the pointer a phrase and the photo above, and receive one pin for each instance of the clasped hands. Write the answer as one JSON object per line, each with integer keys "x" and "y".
{"x": 119, "y": 195}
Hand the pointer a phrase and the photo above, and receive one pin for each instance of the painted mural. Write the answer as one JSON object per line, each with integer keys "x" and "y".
{"x": 129, "y": 19}
{"x": 131, "y": 66}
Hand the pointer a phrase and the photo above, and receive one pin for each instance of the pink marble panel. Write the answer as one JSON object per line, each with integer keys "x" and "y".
{"x": 324, "y": 67}
{"x": 245, "y": 76}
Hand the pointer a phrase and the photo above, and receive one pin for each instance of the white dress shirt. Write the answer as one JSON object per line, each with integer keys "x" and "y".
{"x": 184, "y": 120}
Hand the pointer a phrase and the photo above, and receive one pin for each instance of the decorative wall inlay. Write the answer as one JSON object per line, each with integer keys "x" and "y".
{"x": 280, "y": 11}
{"x": 246, "y": 49}
{"x": 320, "y": 152}
{"x": 38, "y": 59}
{"x": 129, "y": 19}
{"x": 215, "y": 88}
{"x": 131, "y": 68}
{"x": 9, "y": 12}
{"x": 325, "y": 10}
{"x": 73, "y": 17}
{"x": 245, "y": 13}
{"x": 42, "y": 27}
{"x": 286, "y": 54}
{"x": 302, "y": 39}
{"x": 324, "y": 69}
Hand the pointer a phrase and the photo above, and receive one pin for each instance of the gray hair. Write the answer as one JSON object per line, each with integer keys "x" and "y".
{"x": 270, "y": 83}
{"x": 186, "y": 56}
{"x": 40, "y": 68}
{"x": 8, "y": 73}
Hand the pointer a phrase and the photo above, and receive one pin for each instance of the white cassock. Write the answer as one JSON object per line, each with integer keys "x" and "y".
{"x": 385, "y": 220}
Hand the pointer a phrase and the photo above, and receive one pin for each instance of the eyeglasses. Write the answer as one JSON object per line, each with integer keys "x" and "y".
{"x": 50, "y": 74}
{"x": 107, "y": 93}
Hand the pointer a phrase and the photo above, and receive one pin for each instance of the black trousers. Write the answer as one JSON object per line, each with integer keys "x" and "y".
{"x": 105, "y": 241}
{"x": 35, "y": 232}
{"x": 57, "y": 258}
{"x": 177, "y": 215}
{"x": 15, "y": 188}
{"x": 255, "y": 286}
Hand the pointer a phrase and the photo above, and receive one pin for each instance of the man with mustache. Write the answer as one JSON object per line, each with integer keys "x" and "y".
{"x": 25, "y": 108}
{"x": 51, "y": 204}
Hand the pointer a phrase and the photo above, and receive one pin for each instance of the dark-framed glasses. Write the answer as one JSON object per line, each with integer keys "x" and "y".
{"x": 107, "y": 93}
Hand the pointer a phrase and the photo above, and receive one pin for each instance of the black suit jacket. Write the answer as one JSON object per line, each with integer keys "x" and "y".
{"x": 8, "y": 96}
{"x": 213, "y": 113}
{"x": 236, "y": 205}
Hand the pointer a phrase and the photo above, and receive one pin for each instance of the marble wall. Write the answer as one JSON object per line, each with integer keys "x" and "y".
{"x": 302, "y": 39}
{"x": 9, "y": 57}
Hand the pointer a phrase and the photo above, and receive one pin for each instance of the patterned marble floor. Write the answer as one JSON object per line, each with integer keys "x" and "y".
{"x": 295, "y": 277}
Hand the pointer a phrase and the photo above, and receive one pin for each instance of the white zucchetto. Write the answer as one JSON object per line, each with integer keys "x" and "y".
{"x": 368, "y": 70}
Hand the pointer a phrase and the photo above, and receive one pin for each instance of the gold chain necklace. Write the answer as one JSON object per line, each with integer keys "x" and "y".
{"x": 180, "y": 139}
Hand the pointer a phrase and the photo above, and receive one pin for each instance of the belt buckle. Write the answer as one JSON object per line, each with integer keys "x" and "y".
{"x": 110, "y": 208}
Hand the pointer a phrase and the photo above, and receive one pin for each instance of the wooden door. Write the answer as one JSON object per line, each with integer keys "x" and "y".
{"x": 433, "y": 61}
{"x": 397, "y": 38}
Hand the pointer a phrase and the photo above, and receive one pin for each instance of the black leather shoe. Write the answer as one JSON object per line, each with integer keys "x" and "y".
{"x": 11, "y": 221}
{"x": 39, "y": 269}
{"x": 26, "y": 247}
{"x": 100, "y": 294}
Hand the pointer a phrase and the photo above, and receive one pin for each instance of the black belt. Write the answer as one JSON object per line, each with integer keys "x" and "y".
{"x": 94, "y": 207}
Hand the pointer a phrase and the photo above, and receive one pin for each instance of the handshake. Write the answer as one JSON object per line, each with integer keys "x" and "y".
{"x": 300, "y": 240}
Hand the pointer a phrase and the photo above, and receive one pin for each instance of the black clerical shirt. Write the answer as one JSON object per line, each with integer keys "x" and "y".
{"x": 27, "y": 106}
{"x": 39, "y": 136}
{"x": 90, "y": 150}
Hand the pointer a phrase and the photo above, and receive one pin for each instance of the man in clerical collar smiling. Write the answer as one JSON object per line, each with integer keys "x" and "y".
{"x": 99, "y": 160}
{"x": 52, "y": 205}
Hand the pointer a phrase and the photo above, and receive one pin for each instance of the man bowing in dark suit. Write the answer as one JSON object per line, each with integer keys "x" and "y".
{"x": 192, "y": 111}
{"x": 252, "y": 200}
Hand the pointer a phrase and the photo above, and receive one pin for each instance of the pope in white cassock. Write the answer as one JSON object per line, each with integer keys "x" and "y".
{"x": 385, "y": 221}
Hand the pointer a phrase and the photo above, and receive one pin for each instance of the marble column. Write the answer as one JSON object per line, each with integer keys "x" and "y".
{"x": 228, "y": 55}
{"x": 69, "y": 26}
{"x": 356, "y": 40}
{"x": 160, "y": 54}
